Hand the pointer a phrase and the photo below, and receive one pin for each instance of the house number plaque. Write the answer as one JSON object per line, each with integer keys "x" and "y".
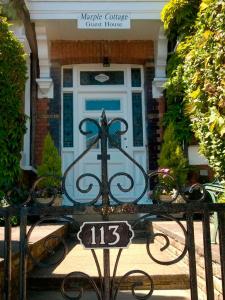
{"x": 105, "y": 235}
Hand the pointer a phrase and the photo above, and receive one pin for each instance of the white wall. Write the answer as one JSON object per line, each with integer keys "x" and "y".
{"x": 195, "y": 158}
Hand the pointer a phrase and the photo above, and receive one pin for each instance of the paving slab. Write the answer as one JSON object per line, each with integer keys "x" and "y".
{"x": 133, "y": 258}
{"x": 171, "y": 229}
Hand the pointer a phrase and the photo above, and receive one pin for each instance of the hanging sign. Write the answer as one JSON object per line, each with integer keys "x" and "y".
{"x": 105, "y": 235}
{"x": 104, "y": 21}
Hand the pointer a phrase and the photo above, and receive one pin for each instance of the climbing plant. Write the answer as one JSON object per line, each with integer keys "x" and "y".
{"x": 12, "y": 118}
{"x": 204, "y": 80}
{"x": 178, "y": 17}
{"x": 196, "y": 72}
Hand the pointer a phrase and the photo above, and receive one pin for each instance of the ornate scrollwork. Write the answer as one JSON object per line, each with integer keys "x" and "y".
{"x": 43, "y": 194}
{"x": 117, "y": 146}
{"x": 153, "y": 236}
{"x": 48, "y": 249}
{"x": 104, "y": 134}
{"x": 71, "y": 166}
{"x": 79, "y": 290}
{"x": 136, "y": 284}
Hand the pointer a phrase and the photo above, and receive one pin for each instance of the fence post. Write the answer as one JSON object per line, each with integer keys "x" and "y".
{"x": 192, "y": 257}
{"x": 23, "y": 254}
{"x": 221, "y": 219}
{"x": 7, "y": 257}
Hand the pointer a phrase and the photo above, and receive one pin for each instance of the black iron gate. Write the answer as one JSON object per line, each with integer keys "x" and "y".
{"x": 105, "y": 204}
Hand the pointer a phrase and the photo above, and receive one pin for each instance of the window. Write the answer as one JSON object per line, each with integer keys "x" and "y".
{"x": 68, "y": 120}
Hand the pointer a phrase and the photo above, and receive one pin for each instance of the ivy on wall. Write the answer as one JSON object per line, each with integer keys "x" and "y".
{"x": 12, "y": 118}
{"x": 178, "y": 17}
{"x": 196, "y": 85}
{"x": 204, "y": 79}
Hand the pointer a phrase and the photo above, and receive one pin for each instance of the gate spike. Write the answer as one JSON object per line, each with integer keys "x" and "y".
{"x": 103, "y": 117}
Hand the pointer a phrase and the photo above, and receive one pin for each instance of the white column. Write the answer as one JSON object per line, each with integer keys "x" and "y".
{"x": 45, "y": 83}
{"x": 25, "y": 162}
{"x": 19, "y": 31}
{"x": 161, "y": 53}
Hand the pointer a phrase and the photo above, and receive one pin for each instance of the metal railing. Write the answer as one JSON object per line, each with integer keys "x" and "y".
{"x": 107, "y": 288}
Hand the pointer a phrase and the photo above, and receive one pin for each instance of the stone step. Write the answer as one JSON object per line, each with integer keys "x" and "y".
{"x": 124, "y": 295}
{"x": 135, "y": 257}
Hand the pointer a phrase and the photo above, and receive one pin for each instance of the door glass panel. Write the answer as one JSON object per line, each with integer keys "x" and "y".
{"x": 136, "y": 77}
{"x": 115, "y": 127}
{"x": 67, "y": 77}
{"x": 93, "y": 129}
{"x": 137, "y": 120}
{"x": 68, "y": 120}
{"x": 99, "y": 105}
{"x": 90, "y": 126}
{"x": 102, "y": 78}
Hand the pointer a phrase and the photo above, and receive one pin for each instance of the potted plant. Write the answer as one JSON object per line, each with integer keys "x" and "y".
{"x": 48, "y": 185}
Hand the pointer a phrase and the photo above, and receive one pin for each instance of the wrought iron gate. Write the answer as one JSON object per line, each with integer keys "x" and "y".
{"x": 106, "y": 204}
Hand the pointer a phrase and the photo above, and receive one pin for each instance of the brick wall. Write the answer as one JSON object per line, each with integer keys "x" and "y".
{"x": 55, "y": 106}
{"x": 155, "y": 110}
{"x": 42, "y": 127}
{"x": 122, "y": 52}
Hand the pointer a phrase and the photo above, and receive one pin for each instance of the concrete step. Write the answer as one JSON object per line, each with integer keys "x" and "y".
{"x": 39, "y": 240}
{"x": 124, "y": 295}
{"x": 133, "y": 258}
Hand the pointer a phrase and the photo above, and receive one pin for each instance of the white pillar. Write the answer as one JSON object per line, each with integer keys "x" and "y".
{"x": 161, "y": 53}
{"x": 45, "y": 83}
{"x": 19, "y": 31}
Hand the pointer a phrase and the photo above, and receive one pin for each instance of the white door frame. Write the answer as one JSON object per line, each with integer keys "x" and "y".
{"x": 125, "y": 89}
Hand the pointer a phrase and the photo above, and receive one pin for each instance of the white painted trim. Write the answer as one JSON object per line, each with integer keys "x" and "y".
{"x": 46, "y": 10}
{"x": 158, "y": 87}
{"x": 45, "y": 83}
{"x": 25, "y": 161}
{"x": 19, "y": 31}
{"x": 45, "y": 88}
{"x": 161, "y": 53}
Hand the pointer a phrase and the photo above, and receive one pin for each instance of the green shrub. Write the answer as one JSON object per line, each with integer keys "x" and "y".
{"x": 50, "y": 166}
{"x": 172, "y": 156}
{"x": 221, "y": 198}
{"x": 203, "y": 77}
{"x": 12, "y": 118}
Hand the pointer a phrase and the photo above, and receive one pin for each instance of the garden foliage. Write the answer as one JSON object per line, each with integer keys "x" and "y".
{"x": 50, "y": 165}
{"x": 196, "y": 86}
{"x": 204, "y": 79}
{"x": 12, "y": 118}
{"x": 172, "y": 156}
{"x": 178, "y": 17}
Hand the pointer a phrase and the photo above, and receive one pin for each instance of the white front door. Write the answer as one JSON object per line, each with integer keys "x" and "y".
{"x": 124, "y": 102}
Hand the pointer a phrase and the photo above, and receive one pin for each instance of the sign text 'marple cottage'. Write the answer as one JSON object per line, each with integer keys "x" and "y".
{"x": 104, "y": 21}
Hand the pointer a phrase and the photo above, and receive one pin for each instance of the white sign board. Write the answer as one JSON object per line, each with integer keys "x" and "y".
{"x": 104, "y": 21}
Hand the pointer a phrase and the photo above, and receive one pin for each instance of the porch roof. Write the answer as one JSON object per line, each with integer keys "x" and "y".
{"x": 71, "y": 9}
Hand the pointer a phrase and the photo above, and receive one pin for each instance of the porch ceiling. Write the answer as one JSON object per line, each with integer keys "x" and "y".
{"x": 67, "y": 30}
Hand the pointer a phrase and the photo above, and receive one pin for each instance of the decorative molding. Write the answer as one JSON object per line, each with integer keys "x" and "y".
{"x": 158, "y": 87}
{"x": 45, "y": 88}
{"x": 43, "y": 51}
{"x": 161, "y": 53}
{"x": 45, "y": 83}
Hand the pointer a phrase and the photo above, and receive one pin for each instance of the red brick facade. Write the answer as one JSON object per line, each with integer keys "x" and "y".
{"x": 84, "y": 52}
{"x": 42, "y": 126}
